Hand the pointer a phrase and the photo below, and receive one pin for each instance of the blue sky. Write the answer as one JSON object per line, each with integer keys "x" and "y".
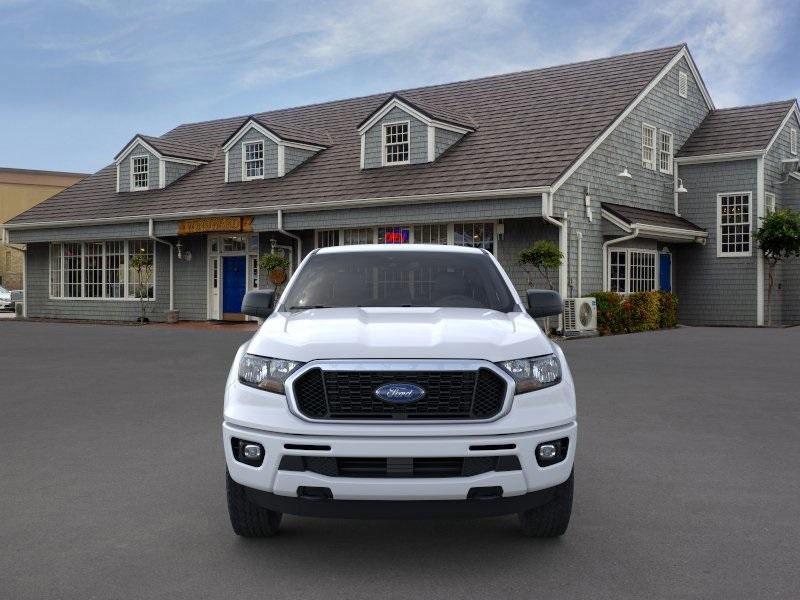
{"x": 81, "y": 77}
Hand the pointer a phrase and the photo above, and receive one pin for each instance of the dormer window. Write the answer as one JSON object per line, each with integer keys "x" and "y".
{"x": 396, "y": 148}
{"x": 253, "y": 153}
{"x": 140, "y": 170}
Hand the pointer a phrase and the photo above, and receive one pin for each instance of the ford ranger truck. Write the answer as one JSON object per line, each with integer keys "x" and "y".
{"x": 399, "y": 381}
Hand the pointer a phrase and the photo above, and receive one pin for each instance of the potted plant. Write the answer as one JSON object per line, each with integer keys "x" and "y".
{"x": 276, "y": 266}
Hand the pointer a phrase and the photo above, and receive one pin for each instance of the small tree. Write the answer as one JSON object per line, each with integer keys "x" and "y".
{"x": 142, "y": 265}
{"x": 779, "y": 240}
{"x": 276, "y": 266}
{"x": 544, "y": 256}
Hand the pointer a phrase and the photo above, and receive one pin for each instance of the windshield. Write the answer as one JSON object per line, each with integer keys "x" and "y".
{"x": 372, "y": 279}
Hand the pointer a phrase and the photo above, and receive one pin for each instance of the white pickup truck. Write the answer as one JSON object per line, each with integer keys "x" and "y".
{"x": 400, "y": 381}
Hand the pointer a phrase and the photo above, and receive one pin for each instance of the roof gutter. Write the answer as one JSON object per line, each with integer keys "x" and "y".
{"x": 264, "y": 210}
{"x": 151, "y": 234}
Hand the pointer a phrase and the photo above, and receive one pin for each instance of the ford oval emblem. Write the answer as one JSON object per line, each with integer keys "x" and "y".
{"x": 400, "y": 393}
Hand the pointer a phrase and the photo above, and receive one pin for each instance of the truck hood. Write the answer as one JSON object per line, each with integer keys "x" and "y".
{"x": 413, "y": 333}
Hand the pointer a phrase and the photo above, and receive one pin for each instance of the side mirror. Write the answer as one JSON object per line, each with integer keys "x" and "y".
{"x": 258, "y": 303}
{"x": 544, "y": 303}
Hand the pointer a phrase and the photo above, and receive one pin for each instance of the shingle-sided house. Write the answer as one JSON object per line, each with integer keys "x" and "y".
{"x": 623, "y": 161}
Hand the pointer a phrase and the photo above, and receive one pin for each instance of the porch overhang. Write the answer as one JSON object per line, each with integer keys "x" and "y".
{"x": 664, "y": 227}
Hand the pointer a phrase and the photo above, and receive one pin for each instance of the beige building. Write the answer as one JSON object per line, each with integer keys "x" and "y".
{"x": 21, "y": 189}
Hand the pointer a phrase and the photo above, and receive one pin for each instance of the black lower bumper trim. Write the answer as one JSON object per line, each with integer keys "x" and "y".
{"x": 399, "y": 509}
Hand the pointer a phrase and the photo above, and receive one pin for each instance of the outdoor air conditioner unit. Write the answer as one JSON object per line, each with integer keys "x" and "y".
{"x": 580, "y": 315}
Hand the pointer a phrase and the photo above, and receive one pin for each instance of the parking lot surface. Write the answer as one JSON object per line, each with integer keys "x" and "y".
{"x": 112, "y": 480}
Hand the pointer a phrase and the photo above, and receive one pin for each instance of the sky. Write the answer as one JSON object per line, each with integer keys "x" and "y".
{"x": 80, "y": 78}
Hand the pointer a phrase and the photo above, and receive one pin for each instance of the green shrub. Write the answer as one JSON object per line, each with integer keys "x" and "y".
{"x": 668, "y": 309}
{"x": 640, "y": 311}
{"x": 644, "y": 311}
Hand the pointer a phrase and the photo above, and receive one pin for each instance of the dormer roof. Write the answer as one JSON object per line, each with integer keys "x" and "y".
{"x": 280, "y": 133}
{"x": 168, "y": 149}
{"x": 428, "y": 112}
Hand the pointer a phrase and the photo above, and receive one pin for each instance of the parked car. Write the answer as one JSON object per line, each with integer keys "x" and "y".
{"x": 400, "y": 381}
{"x": 5, "y": 299}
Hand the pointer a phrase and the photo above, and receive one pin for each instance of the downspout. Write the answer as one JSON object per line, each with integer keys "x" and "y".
{"x": 605, "y": 253}
{"x": 547, "y": 212}
{"x": 151, "y": 234}
{"x": 675, "y": 187}
{"x": 290, "y": 235}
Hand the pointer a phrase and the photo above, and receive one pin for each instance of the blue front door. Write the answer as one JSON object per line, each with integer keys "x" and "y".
{"x": 233, "y": 283}
{"x": 665, "y": 272}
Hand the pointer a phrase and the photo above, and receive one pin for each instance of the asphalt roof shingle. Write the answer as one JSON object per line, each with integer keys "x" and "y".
{"x": 631, "y": 215}
{"x": 530, "y": 127}
{"x": 739, "y": 129}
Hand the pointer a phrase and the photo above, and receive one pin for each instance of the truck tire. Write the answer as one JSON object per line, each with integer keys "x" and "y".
{"x": 249, "y": 519}
{"x": 551, "y": 519}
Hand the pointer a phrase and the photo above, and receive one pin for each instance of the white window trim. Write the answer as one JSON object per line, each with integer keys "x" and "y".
{"x": 652, "y": 165}
{"x": 720, "y": 253}
{"x": 411, "y": 226}
{"x": 627, "y": 251}
{"x": 263, "y": 160}
{"x": 383, "y": 143}
{"x": 793, "y": 141}
{"x": 683, "y": 84}
{"x": 133, "y": 187}
{"x": 668, "y": 170}
{"x": 104, "y": 298}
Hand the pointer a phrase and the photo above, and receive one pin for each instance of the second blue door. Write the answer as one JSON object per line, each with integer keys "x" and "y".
{"x": 233, "y": 283}
{"x": 665, "y": 271}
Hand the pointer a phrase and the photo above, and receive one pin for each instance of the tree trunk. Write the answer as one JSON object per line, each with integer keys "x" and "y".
{"x": 770, "y": 271}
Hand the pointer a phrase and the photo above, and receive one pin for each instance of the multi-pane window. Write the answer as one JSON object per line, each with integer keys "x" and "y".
{"x": 140, "y": 166}
{"x": 734, "y": 224}
{"x": 769, "y": 199}
{"x": 665, "y": 152}
{"x": 648, "y": 146}
{"x": 234, "y": 243}
{"x": 683, "y": 84}
{"x": 430, "y": 234}
{"x": 351, "y": 237}
{"x": 327, "y": 238}
{"x": 618, "y": 269}
{"x": 253, "y": 160}
{"x": 631, "y": 271}
{"x": 474, "y": 235}
{"x": 98, "y": 270}
{"x": 395, "y": 143}
{"x": 253, "y": 272}
{"x": 140, "y": 280}
{"x": 394, "y": 235}
{"x": 115, "y": 269}
{"x": 93, "y": 270}
{"x": 793, "y": 140}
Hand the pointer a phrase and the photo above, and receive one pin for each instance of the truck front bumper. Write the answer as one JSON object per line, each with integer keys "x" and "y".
{"x": 490, "y": 493}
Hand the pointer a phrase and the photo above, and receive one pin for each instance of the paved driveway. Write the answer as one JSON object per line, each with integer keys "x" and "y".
{"x": 111, "y": 480}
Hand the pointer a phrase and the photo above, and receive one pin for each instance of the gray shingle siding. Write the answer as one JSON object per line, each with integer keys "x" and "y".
{"x": 191, "y": 279}
{"x": 418, "y": 139}
{"x": 518, "y": 235}
{"x": 125, "y": 169}
{"x": 786, "y": 288}
{"x": 443, "y": 139}
{"x": 715, "y": 290}
{"x": 294, "y": 157}
{"x": 651, "y": 190}
{"x": 66, "y": 234}
{"x": 402, "y": 214}
{"x": 174, "y": 170}
{"x": 270, "y": 156}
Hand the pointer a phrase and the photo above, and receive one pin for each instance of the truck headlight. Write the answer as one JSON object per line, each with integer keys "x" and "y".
{"x": 534, "y": 373}
{"x": 266, "y": 373}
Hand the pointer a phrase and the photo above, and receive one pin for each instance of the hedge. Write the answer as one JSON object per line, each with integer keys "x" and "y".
{"x": 640, "y": 311}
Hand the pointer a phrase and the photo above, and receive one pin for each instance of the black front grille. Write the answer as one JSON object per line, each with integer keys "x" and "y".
{"x": 448, "y": 394}
{"x": 380, "y": 467}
